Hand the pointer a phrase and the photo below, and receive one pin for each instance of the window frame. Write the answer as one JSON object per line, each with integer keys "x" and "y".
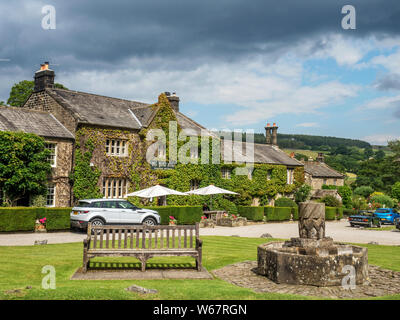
{"x": 53, "y": 163}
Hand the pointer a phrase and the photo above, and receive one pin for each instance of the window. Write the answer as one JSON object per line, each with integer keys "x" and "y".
{"x": 226, "y": 173}
{"x": 324, "y": 181}
{"x": 194, "y": 184}
{"x": 114, "y": 188}
{"x": 52, "y": 147}
{"x": 116, "y": 147}
{"x": 51, "y": 195}
{"x": 290, "y": 176}
{"x": 194, "y": 152}
{"x": 250, "y": 173}
{"x": 334, "y": 182}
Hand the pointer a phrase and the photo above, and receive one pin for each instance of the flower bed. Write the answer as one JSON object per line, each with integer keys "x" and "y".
{"x": 207, "y": 223}
{"x": 231, "y": 220}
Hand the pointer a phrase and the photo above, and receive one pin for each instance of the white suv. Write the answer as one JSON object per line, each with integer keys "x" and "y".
{"x": 111, "y": 211}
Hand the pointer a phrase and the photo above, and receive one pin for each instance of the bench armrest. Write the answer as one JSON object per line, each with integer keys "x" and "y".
{"x": 199, "y": 243}
{"x": 86, "y": 243}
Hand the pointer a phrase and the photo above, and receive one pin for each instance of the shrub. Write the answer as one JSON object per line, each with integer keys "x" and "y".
{"x": 330, "y": 213}
{"x": 349, "y": 212}
{"x": 396, "y": 190}
{"x": 252, "y": 213}
{"x": 330, "y": 201}
{"x": 383, "y": 200}
{"x": 364, "y": 191}
{"x": 278, "y": 213}
{"x": 303, "y": 193}
{"x": 328, "y": 187}
{"x": 17, "y": 219}
{"x": 339, "y": 213}
{"x": 346, "y": 193}
{"x": 295, "y": 213}
{"x": 359, "y": 203}
{"x": 285, "y": 202}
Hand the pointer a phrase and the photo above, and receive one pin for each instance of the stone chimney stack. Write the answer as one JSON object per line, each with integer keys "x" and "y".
{"x": 44, "y": 78}
{"x": 320, "y": 157}
{"x": 173, "y": 100}
{"x": 268, "y": 135}
{"x": 274, "y": 130}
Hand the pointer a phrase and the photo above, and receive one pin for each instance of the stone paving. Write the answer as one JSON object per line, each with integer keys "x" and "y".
{"x": 381, "y": 283}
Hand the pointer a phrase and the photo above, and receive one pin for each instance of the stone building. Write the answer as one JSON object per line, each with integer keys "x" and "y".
{"x": 112, "y": 132}
{"x": 59, "y": 141}
{"x": 318, "y": 173}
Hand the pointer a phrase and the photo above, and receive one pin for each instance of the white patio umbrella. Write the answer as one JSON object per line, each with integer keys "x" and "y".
{"x": 210, "y": 190}
{"x": 155, "y": 191}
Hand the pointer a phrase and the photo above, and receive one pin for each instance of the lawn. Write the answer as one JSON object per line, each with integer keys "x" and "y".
{"x": 21, "y": 267}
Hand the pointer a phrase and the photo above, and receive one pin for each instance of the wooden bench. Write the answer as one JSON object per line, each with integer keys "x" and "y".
{"x": 142, "y": 242}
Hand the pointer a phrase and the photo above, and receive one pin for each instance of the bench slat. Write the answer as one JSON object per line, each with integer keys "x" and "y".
{"x": 131, "y": 243}
{"x": 119, "y": 238}
{"x": 113, "y": 238}
{"x": 107, "y": 237}
{"x": 143, "y": 238}
{"x": 125, "y": 238}
{"x": 185, "y": 238}
{"x": 179, "y": 238}
{"x": 162, "y": 239}
{"x": 101, "y": 238}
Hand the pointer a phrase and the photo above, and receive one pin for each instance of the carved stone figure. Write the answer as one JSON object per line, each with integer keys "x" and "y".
{"x": 312, "y": 220}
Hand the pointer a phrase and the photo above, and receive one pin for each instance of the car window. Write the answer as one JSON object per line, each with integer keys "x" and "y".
{"x": 109, "y": 204}
{"x": 126, "y": 205}
{"x": 382, "y": 211}
{"x": 83, "y": 204}
{"x": 96, "y": 204}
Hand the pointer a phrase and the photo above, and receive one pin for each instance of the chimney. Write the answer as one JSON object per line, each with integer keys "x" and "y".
{"x": 274, "y": 130}
{"x": 44, "y": 78}
{"x": 268, "y": 133}
{"x": 173, "y": 100}
{"x": 320, "y": 157}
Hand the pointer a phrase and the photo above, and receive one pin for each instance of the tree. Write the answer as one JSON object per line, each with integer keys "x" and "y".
{"x": 2, "y": 103}
{"x": 364, "y": 191}
{"x": 346, "y": 194}
{"x": 24, "y": 168}
{"x": 379, "y": 155}
{"x": 302, "y": 193}
{"x": 396, "y": 190}
{"x": 22, "y": 90}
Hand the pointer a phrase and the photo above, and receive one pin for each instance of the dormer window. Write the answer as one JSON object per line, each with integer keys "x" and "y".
{"x": 116, "y": 147}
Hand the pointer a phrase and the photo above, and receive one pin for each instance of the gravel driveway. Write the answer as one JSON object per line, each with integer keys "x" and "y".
{"x": 339, "y": 231}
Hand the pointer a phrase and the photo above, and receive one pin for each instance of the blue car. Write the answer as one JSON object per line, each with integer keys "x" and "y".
{"x": 387, "y": 215}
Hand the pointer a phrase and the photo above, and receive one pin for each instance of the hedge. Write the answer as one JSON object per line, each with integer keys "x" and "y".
{"x": 278, "y": 213}
{"x": 183, "y": 214}
{"x": 252, "y": 213}
{"x": 295, "y": 213}
{"x": 330, "y": 213}
{"x": 23, "y": 218}
{"x": 17, "y": 219}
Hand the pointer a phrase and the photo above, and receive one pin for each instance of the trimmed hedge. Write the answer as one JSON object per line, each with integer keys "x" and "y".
{"x": 183, "y": 214}
{"x": 295, "y": 213}
{"x": 330, "y": 213}
{"x": 278, "y": 213}
{"x": 56, "y": 218}
{"x": 252, "y": 213}
{"x": 23, "y": 218}
{"x": 339, "y": 213}
{"x": 17, "y": 219}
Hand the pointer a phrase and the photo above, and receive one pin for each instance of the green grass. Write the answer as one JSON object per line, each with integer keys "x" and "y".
{"x": 21, "y": 266}
{"x": 388, "y": 228}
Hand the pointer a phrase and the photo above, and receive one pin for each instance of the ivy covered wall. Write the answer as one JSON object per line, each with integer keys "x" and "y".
{"x": 92, "y": 164}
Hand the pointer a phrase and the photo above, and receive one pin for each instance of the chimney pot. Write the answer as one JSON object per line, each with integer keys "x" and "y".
{"x": 44, "y": 78}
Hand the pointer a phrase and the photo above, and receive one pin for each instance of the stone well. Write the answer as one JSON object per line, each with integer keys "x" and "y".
{"x": 312, "y": 259}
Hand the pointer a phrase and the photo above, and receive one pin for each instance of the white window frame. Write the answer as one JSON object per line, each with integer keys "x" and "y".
{"x": 226, "y": 173}
{"x": 289, "y": 176}
{"x": 54, "y": 162}
{"x": 194, "y": 152}
{"x": 114, "y": 188}
{"x": 194, "y": 184}
{"x": 54, "y": 187}
{"x": 116, "y": 147}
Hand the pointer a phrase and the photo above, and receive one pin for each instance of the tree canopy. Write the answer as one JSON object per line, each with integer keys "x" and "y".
{"x": 21, "y": 91}
{"x": 24, "y": 168}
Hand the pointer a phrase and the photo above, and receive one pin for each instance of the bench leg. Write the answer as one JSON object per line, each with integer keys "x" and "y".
{"x": 143, "y": 260}
{"x": 85, "y": 264}
{"x": 198, "y": 263}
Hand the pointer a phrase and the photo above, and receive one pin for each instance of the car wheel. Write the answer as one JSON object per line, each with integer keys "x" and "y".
{"x": 351, "y": 225}
{"x": 97, "y": 222}
{"x": 149, "y": 222}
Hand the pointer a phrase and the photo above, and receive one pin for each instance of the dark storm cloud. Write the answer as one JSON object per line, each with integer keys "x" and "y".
{"x": 102, "y": 34}
{"x": 388, "y": 82}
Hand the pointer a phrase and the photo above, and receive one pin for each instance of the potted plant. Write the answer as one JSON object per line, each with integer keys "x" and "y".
{"x": 40, "y": 225}
{"x": 172, "y": 221}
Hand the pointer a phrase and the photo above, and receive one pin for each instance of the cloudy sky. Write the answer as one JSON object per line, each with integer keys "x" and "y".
{"x": 235, "y": 64}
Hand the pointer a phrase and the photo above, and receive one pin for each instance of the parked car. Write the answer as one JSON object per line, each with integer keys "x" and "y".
{"x": 106, "y": 211}
{"x": 387, "y": 215}
{"x": 365, "y": 218}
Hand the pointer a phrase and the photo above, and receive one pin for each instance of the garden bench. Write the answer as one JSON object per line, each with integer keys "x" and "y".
{"x": 142, "y": 242}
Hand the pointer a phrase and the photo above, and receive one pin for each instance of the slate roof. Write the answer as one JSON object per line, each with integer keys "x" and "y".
{"x": 107, "y": 111}
{"x": 31, "y": 121}
{"x": 321, "y": 170}
{"x": 263, "y": 153}
{"x": 101, "y": 110}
